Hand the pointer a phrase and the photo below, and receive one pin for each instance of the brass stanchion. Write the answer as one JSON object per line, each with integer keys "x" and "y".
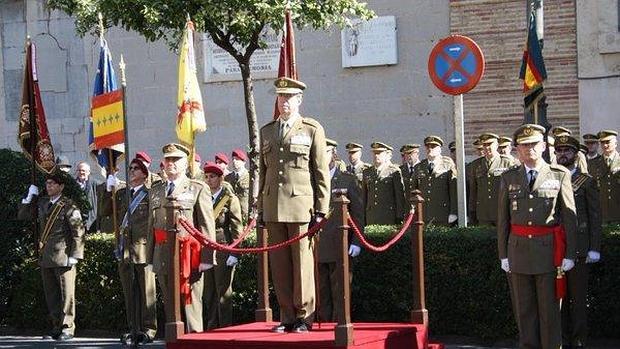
{"x": 419, "y": 313}
{"x": 344, "y": 328}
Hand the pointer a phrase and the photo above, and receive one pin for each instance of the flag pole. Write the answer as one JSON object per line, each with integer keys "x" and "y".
{"x": 125, "y": 130}
{"x": 33, "y": 142}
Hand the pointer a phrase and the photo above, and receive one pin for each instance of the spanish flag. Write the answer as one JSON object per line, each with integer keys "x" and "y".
{"x": 533, "y": 71}
{"x": 190, "y": 117}
{"x": 108, "y": 119}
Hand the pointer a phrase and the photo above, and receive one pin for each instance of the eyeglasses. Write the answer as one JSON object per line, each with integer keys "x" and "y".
{"x": 131, "y": 168}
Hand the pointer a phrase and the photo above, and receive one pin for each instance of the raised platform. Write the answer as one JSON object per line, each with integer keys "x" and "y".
{"x": 257, "y": 335}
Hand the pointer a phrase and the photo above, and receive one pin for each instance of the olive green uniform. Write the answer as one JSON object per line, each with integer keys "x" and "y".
{"x": 606, "y": 173}
{"x": 484, "y": 182}
{"x": 61, "y": 237}
{"x": 219, "y": 279}
{"x": 383, "y": 195}
{"x": 241, "y": 187}
{"x": 407, "y": 172}
{"x": 438, "y": 187}
{"x": 294, "y": 183}
{"x": 358, "y": 170}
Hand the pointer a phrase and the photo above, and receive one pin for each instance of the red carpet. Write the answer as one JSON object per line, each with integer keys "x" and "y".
{"x": 257, "y": 335}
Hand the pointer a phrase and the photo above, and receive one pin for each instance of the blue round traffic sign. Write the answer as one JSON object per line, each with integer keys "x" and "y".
{"x": 456, "y": 64}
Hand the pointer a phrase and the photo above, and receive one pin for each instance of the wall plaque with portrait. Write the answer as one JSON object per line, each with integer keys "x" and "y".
{"x": 368, "y": 43}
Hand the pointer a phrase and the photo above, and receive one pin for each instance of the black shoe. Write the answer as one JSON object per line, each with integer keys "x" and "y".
{"x": 52, "y": 335}
{"x": 127, "y": 338}
{"x": 282, "y": 327}
{"x": 301, "y": 327}
{"x": 64, "y": 337}
{"x": 144, "y": 338}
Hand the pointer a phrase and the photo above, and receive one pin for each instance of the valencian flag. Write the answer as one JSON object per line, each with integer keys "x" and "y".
{"x": 33, "y": 135}
{"x": 190, "y": 117}
{"x": 105, "y": 82}
{"x": 288, "y": 65}
{"x": 107, "y": 118}
{"x": 533, "y": 71}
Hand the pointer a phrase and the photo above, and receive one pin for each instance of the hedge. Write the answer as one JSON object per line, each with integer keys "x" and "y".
{"x": 466, "y": 291}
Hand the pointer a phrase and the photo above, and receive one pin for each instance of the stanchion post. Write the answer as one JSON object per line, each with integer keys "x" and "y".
{"x": 419, "y": 314}
{"x": 344, "y": 328}
{"x": 263, "y": 313}
{"x": 174, "y": 324}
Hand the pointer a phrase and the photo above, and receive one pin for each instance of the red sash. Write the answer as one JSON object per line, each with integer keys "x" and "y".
{"x": 559, "y": 249}
{"x": 161, "y": 236}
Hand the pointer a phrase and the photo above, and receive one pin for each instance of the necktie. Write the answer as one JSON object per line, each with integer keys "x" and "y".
{"x": 410, "y": 169}
{"x": 282, "y": 129}
{"x": 431, "y": 166}
{"x": 170, "y": 188}
{"x": 532, "y": 179}
{"x": 49, "y": 206}
{"x": 132, "y": 192}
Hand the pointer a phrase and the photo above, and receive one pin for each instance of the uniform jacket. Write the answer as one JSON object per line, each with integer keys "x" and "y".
{"x": 241, "y": 188}
{"x": 358, "y": 169}
{"x": 551, "y": 202}
{"x": 228, "y": 223}
{"x": 65, "y": 238}
{"x": 484, "y": 182}
{"x": 92, "y": 192}
{"x": 438, "y": 189}
{"x": 408, "y": 179}
{"x": 195, "y": 199}
{"x": 608, "y": 181}
{"x": 294, "y": 172}
{"x": 138, "y": 236}
{"x": 589, "y": 222}
{"x": 331, "y": 232}
{"x": 383, "y": 195}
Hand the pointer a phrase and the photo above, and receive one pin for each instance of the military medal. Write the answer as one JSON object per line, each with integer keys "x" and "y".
{"x": 515, "y": 207}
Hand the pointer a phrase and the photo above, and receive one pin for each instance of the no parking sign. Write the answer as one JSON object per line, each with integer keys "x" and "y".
{"x": 456, "y": 64}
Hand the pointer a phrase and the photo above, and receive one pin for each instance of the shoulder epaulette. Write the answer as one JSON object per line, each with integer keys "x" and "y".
{"x": 310, "y": 121}
{"x": 269, "y": 123}
{"x": 559, "y": 168}
{"x": 579, "y": 180}
{"x": 200, "y": 183}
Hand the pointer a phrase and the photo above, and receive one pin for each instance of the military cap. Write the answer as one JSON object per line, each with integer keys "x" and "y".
{"x": 452, "y": 145}
{"x": 560, "y": 131}
{"x": 477, "y": 143}
{"x": 144, "y": 157}
{"x": 583, "y": 148}
{"x": 331, "y": 142}
{"x": 211, "y": 167}
{"x": 408, "y": 148}
{"x": 529, "y": 133}
{"x": 433, "y": 140}
{"x": 488, "y": 138}
{"x": 353, "y": 147}
{"x": 606, "y": 135}
{"x": 63, "y": 161}
{"x": 239, "y": 154}
{"x": 379, "y": 147}
{"x": 222, "y": 157}
{"x": 175, "y": 150}
{"x": 567, "y": 141}
{"x": 590, "y": 138}
{"x": 289, "y": 86}
{"x": 58, "y": 176}
{"x": 504, "y": 141}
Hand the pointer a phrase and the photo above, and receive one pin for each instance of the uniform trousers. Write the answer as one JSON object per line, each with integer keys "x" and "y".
{"x": 574, "y": 309}
{"x": 59, "y": 289}
{"x": 192, "y": 312}
{"x": 331, "y": 307}
{"x": 218, "y": 295}
{"x": 139, "y": 286}
{"x": 292, "y": 272}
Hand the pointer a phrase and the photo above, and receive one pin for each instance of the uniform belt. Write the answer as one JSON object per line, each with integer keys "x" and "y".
{"x": 161, "y": 236}
{"x": 559, "y": 248}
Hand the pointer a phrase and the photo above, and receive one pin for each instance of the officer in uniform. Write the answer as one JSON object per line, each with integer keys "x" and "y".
{"x": 146, "y": 160}
{"x": 435, "y": 176}
{"x": 222, "y": 161}
{"x": 239, "y": 179}
{"x": 330, "y": 304}
{"x": 293, "y": 191}
{"x": 194, "y": 197}
{"x": 582, "y": 162}
{"x": 135, "y": 253}
{"x": 504, "y": 147}
{"x": 356, "y": 165}
{"x": 574, "y": 309}
{"x": 591, "y": 142}
{"x": 536, "y": 207}
{"x": 484, "y": 181}
{"x": 452, "y": 149}
{"x": 228, "y": 226}
{"x": 411, "y": 157}
{"x": 383, "y": 191}
{"x": 479, "y": 148}
{"x": 606, "y": 171}
{"x": 61, "y": 246}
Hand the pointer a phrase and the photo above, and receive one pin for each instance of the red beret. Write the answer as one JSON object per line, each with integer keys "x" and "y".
{"x": 222, "y": 157}
{"x": 197, "y": 157}
{"x": 142, "y": 155}
{"x": 239, "y": 154}
{"x": 211, "y": 167}
{"x": 140, "y": 162}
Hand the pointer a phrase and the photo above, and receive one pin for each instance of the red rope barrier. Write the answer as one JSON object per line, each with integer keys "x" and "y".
{"x": 244, "y": 234}
{"x": 389, "y": 244}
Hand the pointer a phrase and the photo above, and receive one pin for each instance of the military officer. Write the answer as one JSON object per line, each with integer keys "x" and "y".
{"x": 239, "y": 179}
{"x": 479, "y": 148}
{"x": 61, "y": 246}
{"x": 330, "y": 304}
{"x": 222, "y": 161}
{"x": 452, "y": 148}
{"x": 504, "y": 147}
{"x": 574, "y": 310}
{"x": 435, "y": 176}
{"x": 582, "y": 162}
{"x": 484, "y": 181}
{"x": 293, "y": 190}
{"x": 606, "y": 171}
{"x": 228, "y": 226}
{"x": 591, "y": 141}
{"x": 135, "y": 253}
{"x": 411, "y": 157}
{"x": 356, "y": 165}
{"x": 536, "y": 206}
{"x": 383, "y": 191}
{"x": 146, "y": 160}
{"x": 194, "y": 197}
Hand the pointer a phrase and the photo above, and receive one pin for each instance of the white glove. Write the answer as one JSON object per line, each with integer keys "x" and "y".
{"x": 71, "y": 262}
{"x": 354, "y": 250}
{"x": 567, "y": 264}
{"x": 148, "y": 268}
{"x": 110, "y": 182}
{"x": 205, "y": 266}
{"x": 505, "y": 265}
{"x": 32, "y": 191}
{"x": 593, "y": 257}
{"x": 231, "y": 261}
{"x": 452, "y": 218}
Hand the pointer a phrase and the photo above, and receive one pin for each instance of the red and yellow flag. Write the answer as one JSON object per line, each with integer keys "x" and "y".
{"x": 190, "y": 116}
{"x": 288, "y": 64}
{"x": 107, "y": 117}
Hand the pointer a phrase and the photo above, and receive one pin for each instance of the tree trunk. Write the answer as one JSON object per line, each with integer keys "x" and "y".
{"x": 250, "y": 112}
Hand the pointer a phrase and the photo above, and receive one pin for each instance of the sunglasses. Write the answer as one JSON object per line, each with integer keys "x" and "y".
{"x": 132, "y": 168}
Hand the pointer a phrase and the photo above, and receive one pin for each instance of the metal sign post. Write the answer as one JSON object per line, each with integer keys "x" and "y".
{"x": 459, "y": 133}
